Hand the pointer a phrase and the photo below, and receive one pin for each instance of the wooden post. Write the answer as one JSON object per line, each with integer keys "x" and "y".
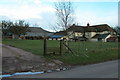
{"x": 45, "y": 47}
{"x": 61, "y": 47}
{"x": 68, "y": 46}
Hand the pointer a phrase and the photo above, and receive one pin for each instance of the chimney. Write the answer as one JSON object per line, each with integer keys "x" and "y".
{"x": 88, "y": 24}
{"x": 73, "y": 25}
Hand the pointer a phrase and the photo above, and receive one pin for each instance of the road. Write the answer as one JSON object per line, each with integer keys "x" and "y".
{"x": 101, "y": 70}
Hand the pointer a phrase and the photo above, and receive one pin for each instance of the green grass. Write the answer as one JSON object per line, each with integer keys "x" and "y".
{"x": 84, "y": 52}
{"x": 34, "y": 46}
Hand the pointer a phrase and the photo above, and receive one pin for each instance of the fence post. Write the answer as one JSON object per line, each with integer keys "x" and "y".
{"x": 61, "y": 47}
{"x": 68, "y": 46}
{"x": 45, "y": 47}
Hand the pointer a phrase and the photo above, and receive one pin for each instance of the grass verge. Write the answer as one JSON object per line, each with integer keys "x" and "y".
{"x": 84, "y": 52}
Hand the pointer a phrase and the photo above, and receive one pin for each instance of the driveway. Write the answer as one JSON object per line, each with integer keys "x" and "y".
{"x": 9, "y": 51}
{"x": 17, "y": 60}
{"x": 101, "y": 70}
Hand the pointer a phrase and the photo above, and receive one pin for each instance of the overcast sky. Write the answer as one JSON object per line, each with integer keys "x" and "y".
{"x": 42, "y": 12}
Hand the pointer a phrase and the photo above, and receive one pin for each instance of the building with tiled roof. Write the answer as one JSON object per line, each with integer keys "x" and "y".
{"x": 88, "y": 32}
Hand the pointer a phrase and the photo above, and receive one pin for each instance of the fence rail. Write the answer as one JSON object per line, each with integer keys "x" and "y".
{"x": 77, "y": 48}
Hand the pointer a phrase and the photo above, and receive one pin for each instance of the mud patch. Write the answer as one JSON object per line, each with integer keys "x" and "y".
{"x": 12, "y": 65}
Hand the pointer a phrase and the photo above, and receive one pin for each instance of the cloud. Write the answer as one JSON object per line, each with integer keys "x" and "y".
{"x": 22, "y": 12}
{"x": 24, "y": 9}
{"x": 41, "y": 13}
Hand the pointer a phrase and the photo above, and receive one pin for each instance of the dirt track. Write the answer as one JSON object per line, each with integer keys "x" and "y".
{"x": 8, "y": 51}
{"x": 18, "y": 60}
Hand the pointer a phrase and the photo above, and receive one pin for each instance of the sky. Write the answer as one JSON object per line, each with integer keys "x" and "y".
{"x": 41, "y": 13}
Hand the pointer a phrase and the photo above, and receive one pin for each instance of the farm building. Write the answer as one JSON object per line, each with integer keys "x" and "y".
{"x": 59, "y": 35}
{"x": 100, "y": 37}
{"x": 113, "y": 39}
{"x": 37, "y": 33}
{"x": 89, "y": 33}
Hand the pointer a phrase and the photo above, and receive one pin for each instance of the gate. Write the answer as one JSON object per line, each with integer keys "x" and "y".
{"x": 57, "y": 48}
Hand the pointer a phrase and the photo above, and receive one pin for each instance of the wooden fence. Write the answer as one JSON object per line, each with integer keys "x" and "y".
{"x": 63, "y": 45}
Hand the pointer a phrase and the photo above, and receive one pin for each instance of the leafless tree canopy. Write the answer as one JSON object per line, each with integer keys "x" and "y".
{"x": 64, "y": 11}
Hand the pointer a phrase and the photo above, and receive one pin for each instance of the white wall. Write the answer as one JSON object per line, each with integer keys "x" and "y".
{"x": 94, "y": 40}
{"x": 105, "y": 40}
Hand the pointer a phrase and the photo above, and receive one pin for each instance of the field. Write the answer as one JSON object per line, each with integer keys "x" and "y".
{"x": 83, "y": 52}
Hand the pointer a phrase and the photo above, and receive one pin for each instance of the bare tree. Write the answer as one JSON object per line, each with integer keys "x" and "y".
{"x": 64, "y": 11}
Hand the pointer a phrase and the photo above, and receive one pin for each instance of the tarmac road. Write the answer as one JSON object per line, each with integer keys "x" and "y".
{"x": 101, "y": 70}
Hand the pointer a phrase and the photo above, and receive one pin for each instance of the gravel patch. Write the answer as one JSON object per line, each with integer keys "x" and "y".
{"x": 17, "y": 60}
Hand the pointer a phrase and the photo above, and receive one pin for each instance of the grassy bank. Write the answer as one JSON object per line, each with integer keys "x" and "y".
{"x": 84, "y": 52}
